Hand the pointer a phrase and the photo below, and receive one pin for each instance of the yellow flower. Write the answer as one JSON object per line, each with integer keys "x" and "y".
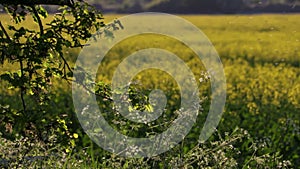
{"x": 75, "y": 135}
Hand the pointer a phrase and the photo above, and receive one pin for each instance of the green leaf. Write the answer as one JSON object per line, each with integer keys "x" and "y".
{"x": 43, "y": 12}
{"x": 149, "y": 108}
{"x": 6, "y": 77}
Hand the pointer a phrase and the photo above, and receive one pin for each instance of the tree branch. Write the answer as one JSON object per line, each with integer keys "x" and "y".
{"x": 4, "y": 31}
{"x": 21, "y": 67}
{"x": 38, "y": 19}
{"x": 37, "y": 2}
{"x": 23, "y": 89}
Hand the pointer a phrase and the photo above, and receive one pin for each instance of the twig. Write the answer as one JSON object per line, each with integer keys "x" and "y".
{"x": 245, "y": 165}
{"x": 4, "y": 31}
{"x": 65, "y": 62}
{"x": 21, "y": 67}
{"x": 89, "y": 90}
{"x": 38, "y": 19}
{"x": 215, "y": 149}
{"x": 22, "y": 87}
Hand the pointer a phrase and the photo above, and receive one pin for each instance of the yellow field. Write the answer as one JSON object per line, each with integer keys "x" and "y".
{"x": 261, "y": 58}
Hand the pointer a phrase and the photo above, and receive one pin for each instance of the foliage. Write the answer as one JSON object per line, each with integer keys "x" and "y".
{"x": 38, "y": 56}
{"x": 224, "y": 153}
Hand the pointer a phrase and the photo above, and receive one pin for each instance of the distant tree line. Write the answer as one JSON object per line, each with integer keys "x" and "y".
{"x": 203, "y": 6}
{"x": 193, "y": 6}
{"x": 226, "y": 6}
{"x": 197, "y": 6}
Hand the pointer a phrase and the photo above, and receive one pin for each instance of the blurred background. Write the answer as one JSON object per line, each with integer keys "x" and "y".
{"x": 196, "y": 6}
